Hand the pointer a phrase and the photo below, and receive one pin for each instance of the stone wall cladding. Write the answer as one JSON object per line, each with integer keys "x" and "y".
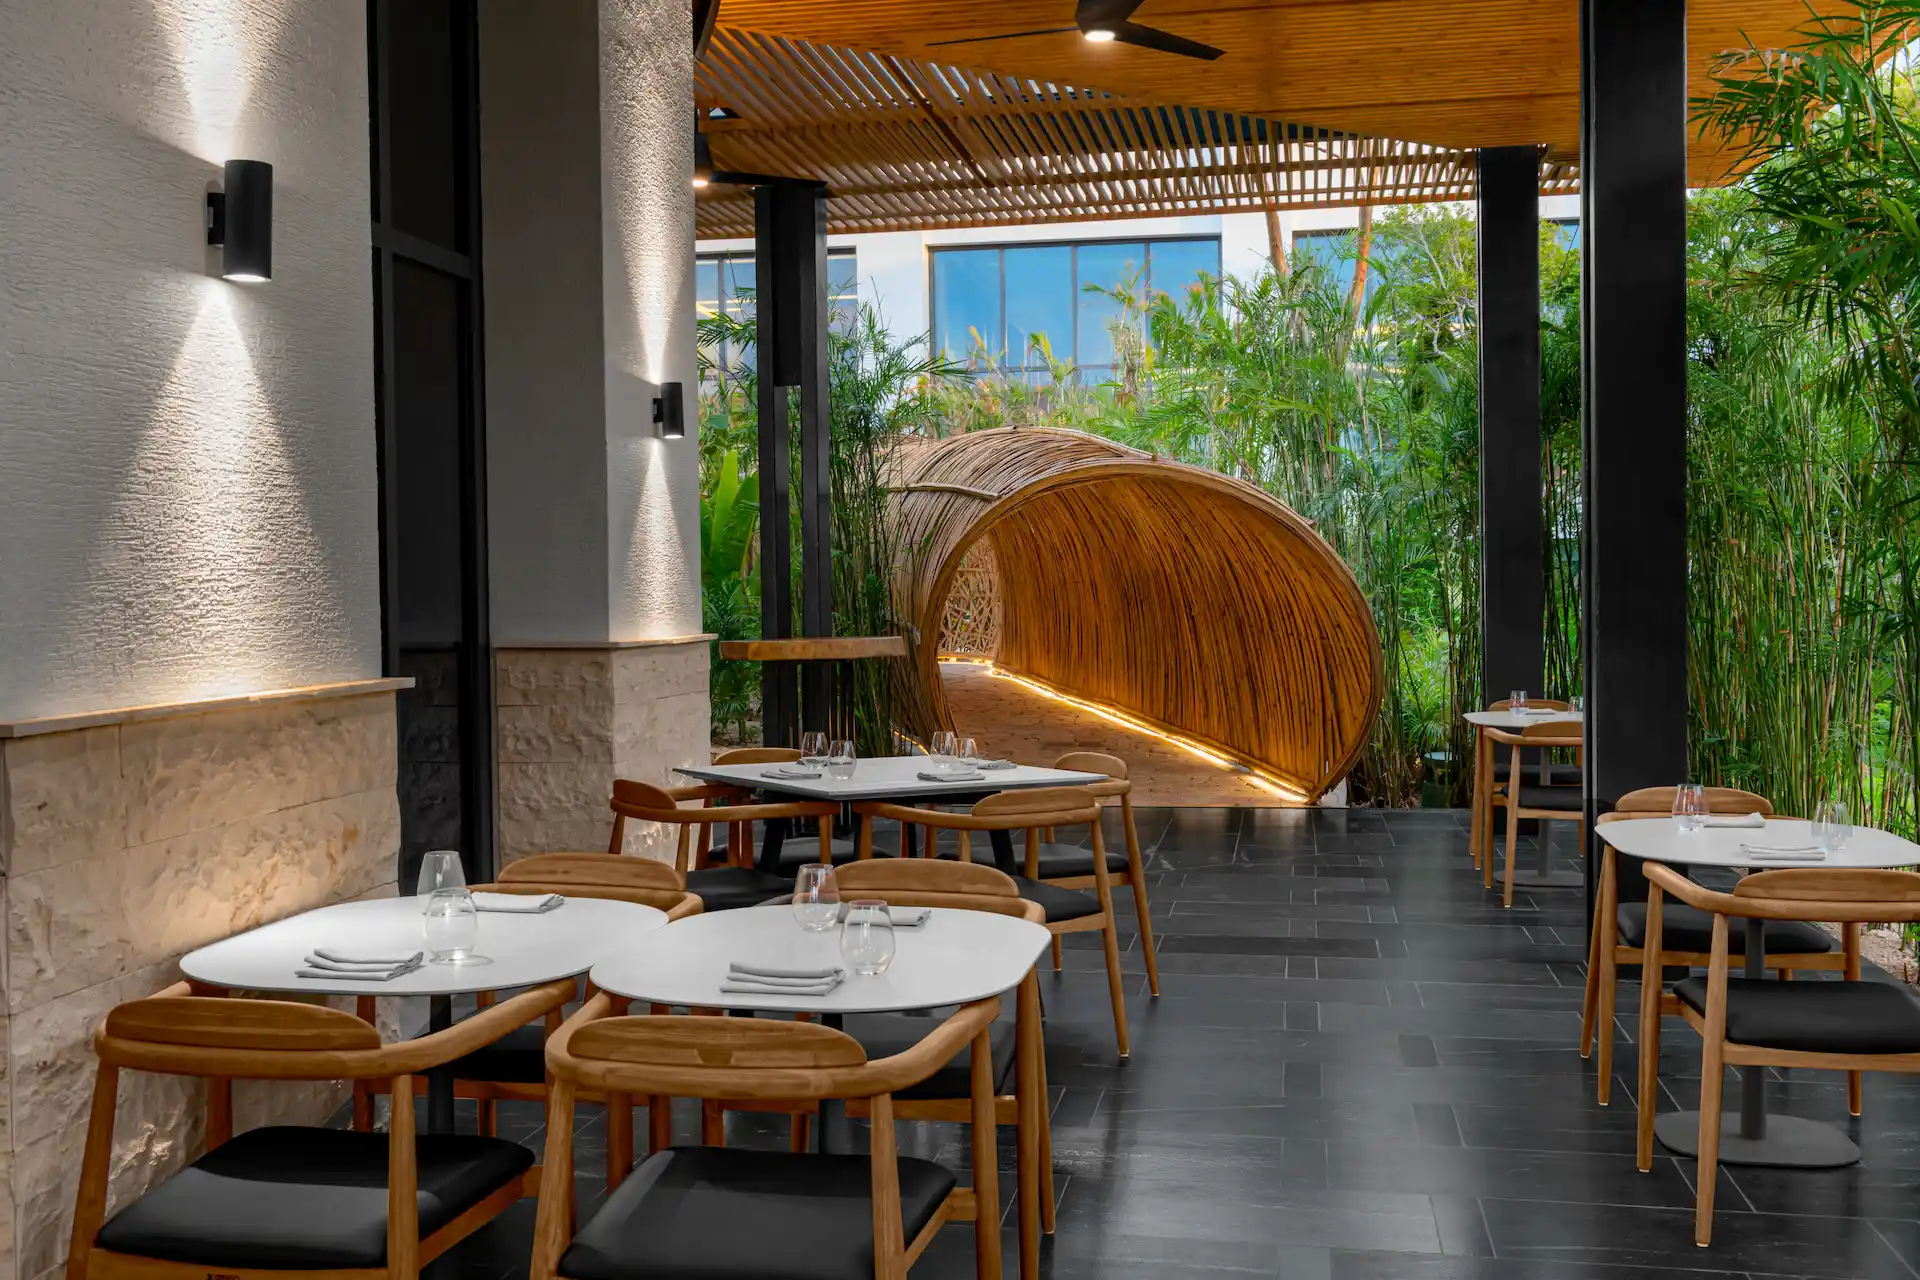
{"x": 574, "y": 719}
{"x": 126, "y": 846}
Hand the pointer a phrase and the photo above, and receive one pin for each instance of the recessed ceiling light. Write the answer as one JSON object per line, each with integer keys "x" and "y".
{"x": 1099, "y": 35}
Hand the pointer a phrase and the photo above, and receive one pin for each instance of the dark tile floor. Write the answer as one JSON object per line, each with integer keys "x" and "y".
{"x": 1361, "y": 1067}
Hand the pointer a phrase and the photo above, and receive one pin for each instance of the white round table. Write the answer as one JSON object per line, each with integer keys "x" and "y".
{"x": 955, "y": 958}
{"x": 1542, "y": 875}
{"x": 520, "y": 950}
{"x": 1754, "y": 1137}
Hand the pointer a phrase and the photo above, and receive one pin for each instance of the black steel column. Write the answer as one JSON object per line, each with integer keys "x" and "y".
{"x": 1513, "y": 565}
{"x": 790, "y": 300}
{"x": 1633, "y": 164}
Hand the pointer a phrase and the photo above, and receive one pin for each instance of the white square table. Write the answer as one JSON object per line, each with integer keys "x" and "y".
{"x": 1753, "y": 1137}
{"x": 957, "y": 957}
{"x": 519, "y": 949}
{"x": 891, "y": 778}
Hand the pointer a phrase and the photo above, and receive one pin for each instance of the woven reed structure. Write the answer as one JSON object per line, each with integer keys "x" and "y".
{"x": 1191, "y": 600}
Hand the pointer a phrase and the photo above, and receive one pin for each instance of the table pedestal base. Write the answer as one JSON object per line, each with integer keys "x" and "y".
{"x": 1535, "y": 879}
{"x": 1788, "y": 1142}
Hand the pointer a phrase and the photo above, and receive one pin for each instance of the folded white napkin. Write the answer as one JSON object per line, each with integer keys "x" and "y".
{"x": 765, "y": 980}
{"x": 1537, "y": 711}
{"x": 1735, "y": 820}
{"x": 972, "y": 775}
{"x": 322, "y": 963}
{"x": 1785, "y": 852}
{"x": 789, "y": 771}
{"x": 903, "y": 917}
{"x": 518, "y": 903}
{"x": 993, "y": 764}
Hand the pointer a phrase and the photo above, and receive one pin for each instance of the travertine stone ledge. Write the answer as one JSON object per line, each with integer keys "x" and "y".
{"x": 198, "y": 706}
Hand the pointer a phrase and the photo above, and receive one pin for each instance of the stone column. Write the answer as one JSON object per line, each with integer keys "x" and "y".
{"x": 586, "y": 172}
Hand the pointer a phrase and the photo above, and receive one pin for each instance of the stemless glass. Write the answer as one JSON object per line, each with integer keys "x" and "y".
{"x": 1689, "y": 806}
{"x": 813, "y": 747}
{"x": 816, "y": 898}
{"x": 840, "y": 758}
{"x": 1517, "y": 700}
{"x": 968, "y": 752}
{"x": 866, "y": 937}
{"x": 452, "y": 926}
{"x": 943, "y": 748}
{"x": 1577, "y": 704}
{"x": 1832, "y": 825}
{"x": 440, "y": 869}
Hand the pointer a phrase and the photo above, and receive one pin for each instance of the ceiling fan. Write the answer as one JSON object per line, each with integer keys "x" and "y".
{"x": 1111, "y": 22}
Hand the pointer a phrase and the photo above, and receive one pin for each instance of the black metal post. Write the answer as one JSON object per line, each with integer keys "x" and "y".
{"x": 790, "y": 239}
{"x": 1633, "y": 164}
{"x": 1512, "y": 528}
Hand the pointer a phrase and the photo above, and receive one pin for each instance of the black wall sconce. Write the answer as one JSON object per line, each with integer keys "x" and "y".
{"x": 669, "y": 410}
{"x": 240, "y": 222}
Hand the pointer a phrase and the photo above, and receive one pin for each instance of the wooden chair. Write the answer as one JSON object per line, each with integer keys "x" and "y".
{"x": 1522, "y": 799}
{"x": 720, "y": 1211}
{"x": 1031, "y": 812}
{"x": 739, "y": 849}
{"x": 718, "y": 888}
{"x": 514, "y": 1067}
{"x": 1619, "y": 935}
{"x": 1491, "y": 774}
{"x": 1018, "y": 1059}
{"x": 1071, "y": 867}
{"x": 285, "y": 1200}
{"x": 1850, "y": 1025}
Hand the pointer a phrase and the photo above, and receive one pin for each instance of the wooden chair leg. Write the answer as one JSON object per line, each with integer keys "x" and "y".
{"x": 1513, "y": 833}
{"x": 1477, "y": 827}
{"x": 1137, "y": 877}
{"x": 1707, "y": 1174}
{"x": 1647, "y": 1091}
{"x": 1056, "y": 953}
{"x": 1850, "y": 950}
{"x": 713, "y": 1123}
{"x": 620, "y": 1137}
{"x": 800, "y": 1133}
{"x": 659, "y": 1123}
{"x": 986, "y": 1162}
{"x": 1046, "y": 1144}
{"x": 1030, "y": 1102}
{"x": 1599, "y": 966}
{"x": 1486, "y": 860}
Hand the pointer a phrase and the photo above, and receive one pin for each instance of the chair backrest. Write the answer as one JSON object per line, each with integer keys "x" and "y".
{"x": 1897, "y": 889}
{"x": 1564, "y": 733}
{"x": 1041, "y": 807}
{"x": 1114, "y": 767}
{"x": 233, "y": 1029}
{"x": 757, "y": 755}
{"x": 601, "y": 875}
{"x": 647, "y": 803}
{"x": 1648, "y": 801}
{"x": 936, "y": 882}
{"x": 1506, "y": 704}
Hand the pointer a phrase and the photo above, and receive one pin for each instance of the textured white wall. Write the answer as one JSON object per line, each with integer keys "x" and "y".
{"x": 187, "y": 466}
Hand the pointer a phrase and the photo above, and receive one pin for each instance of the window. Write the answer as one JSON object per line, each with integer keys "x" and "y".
{"x": 723, "y": 285}
{"x": 1335, "y": 252}
{"x": 1007, "y": 307}
{"x": 1566, "y": 232}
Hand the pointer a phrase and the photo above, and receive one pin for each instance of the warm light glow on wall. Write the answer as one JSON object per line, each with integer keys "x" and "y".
{"x": 214, "y": 44}
{"x": 1114, "y": 715}
{"x": 211, "y": 519}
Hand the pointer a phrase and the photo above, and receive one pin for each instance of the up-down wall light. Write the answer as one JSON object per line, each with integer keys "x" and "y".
{"x": 240, "y": 222}
{"x": 669, "y": 410}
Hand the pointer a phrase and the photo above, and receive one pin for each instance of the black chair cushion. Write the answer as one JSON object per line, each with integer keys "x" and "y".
{"x": 884, "y": 1034}
{"x": 1563, "y": 775}
{"x": 1685, "y": 928}
{"x": 1059, "y": 861}
{"x": 519, "y": 1057}
{"x": 1814, "y": 1016}
{"x": 729, "y": 888}
{"x": 1059, "y": 904}
{"x": 723, "y": 1213}
{"x": 296, "y": 1199}
{"x": 1560, "y": 799}
{"x": 795, "y": 852}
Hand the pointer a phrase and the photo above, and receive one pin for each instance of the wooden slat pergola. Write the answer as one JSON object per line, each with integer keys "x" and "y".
{"x": 905, "y": 143}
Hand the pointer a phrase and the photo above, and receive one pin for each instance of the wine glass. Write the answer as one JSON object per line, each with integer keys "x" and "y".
{"x": 840, "y": 758}
{"x": 439, "y": 869}
{"x": 451, "y": 926}
{"x": 866, "y": 937}
{"x": 813, "y": 747}
{"x": 1517, "y": 700}
{"x": 1577, "y": 704}
{"x": 944, "y": 746}
{"x": 1689, "y": 806}
{"x": 816, "y": 898}
{"x": 1832, "y": 825}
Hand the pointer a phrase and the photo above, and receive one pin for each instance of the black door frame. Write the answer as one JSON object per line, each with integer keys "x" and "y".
{"x": 475, "y": 692}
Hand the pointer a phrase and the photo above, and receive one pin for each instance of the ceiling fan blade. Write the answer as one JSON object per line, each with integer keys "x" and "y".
{"x": 1165, "y": 41}
{"x": 1007, "y": 35}
{"x": 1104, "y": 13}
